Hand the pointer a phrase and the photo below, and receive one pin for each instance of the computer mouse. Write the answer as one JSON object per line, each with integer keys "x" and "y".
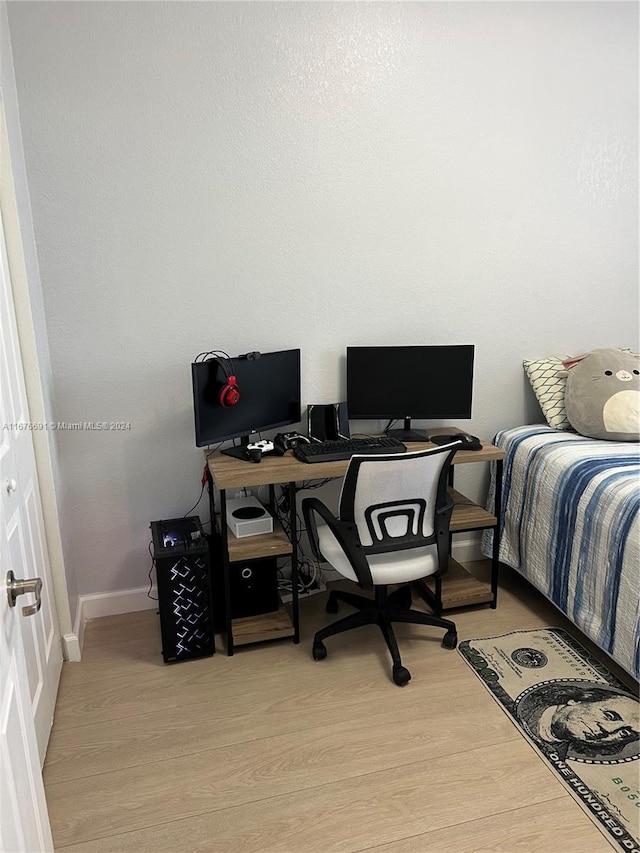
{"x": 469, "y": 442}
{"x": 254, "y": 454}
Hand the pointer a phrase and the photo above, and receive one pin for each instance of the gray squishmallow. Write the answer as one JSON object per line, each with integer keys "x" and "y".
{"x": 602, "y": 397}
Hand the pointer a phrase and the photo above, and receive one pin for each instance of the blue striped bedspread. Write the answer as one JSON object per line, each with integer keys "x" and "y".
{"x": 571, "y": 526}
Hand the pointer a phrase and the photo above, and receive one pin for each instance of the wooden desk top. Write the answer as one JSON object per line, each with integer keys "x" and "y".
{"x": 230, "y": 473}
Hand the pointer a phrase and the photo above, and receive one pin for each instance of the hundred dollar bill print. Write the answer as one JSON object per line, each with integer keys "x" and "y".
{"x": 580, "y": 717}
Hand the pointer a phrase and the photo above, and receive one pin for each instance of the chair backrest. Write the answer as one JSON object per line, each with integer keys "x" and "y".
{"x": 393, "y": 499}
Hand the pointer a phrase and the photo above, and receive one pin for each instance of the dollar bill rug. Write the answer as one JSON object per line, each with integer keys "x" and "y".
{"x": 579, "y": 717}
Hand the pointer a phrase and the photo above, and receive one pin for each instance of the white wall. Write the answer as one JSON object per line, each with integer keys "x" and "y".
{"x": 269, "y": 175}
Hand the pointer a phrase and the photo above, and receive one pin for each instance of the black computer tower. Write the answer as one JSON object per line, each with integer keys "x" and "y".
{"x": 181, "y": 559}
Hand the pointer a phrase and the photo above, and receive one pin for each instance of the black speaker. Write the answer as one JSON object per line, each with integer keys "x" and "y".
{"x": 254, "y": 587}
{"x": 181, "y": 559}
{"x": 328, "y": 422}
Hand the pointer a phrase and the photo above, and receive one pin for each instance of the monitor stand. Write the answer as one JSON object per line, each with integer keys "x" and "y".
{"x": 407, "y": 433}
{"x": 236, "y": 452}
{"x": 239, "y": 451}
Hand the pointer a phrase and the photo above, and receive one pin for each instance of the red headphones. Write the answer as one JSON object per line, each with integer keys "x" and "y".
{"x": 229, "y": 394}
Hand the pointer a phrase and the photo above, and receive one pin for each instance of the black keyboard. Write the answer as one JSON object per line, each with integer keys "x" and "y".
{"x": 334, "y": 451}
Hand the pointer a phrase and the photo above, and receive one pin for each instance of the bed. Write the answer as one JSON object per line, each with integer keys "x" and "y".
{"x": 571, "y": 527}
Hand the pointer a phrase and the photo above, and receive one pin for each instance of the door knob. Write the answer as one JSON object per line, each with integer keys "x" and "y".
{"x": 10, "y": 485}
{"x": 16, "y": 587}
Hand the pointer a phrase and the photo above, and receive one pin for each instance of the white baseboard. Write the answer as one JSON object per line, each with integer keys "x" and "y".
{"x": 132, "y": 600}
{"x": 467, "y": 550}
{"x": 110, "y": 604}
{"x": 113, "y": 603}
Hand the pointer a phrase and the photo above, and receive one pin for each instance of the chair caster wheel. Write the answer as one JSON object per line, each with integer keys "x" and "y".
{"x": 450, "y": 640}
{"x": 319, "y": 651}
{"x": 401, "y": 676}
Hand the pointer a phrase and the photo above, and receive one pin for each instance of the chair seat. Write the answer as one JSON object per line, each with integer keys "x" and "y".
{"x": 390, "y": 568}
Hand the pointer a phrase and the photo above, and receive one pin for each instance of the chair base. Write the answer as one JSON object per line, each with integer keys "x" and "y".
{"x": 382, "y": 611}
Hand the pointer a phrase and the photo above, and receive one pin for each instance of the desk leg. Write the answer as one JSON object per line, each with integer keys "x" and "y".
{"x": 437, "y": 603}
{"x": 495, "y": 556}
{"x": 293, "y": 533}
{"x": 225, "y": 572}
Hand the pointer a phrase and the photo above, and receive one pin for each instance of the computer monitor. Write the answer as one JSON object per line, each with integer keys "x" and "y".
{"x": 269, "y": 387}
{"x": 406, "y": 382}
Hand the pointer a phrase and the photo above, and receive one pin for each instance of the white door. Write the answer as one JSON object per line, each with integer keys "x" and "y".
{"x": 23, "y": 522}
{"x": 30, "y": 650}
{"x": 24, "y": 822}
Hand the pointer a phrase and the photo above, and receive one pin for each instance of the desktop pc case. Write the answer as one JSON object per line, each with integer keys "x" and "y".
{"x": 181, "y": 559}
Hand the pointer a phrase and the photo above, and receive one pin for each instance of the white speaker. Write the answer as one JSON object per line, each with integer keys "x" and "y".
{"x": 247, "y": 517}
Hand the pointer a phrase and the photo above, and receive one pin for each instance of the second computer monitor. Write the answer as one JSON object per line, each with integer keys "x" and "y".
{"x": 410, "y": 382}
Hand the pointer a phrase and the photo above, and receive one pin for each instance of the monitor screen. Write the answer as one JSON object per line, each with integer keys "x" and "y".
{"x": 405, "y": 382}
{"x": 269, "y": 389}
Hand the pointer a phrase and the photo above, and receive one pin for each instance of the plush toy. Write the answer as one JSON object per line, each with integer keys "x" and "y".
{"x": 602, "y": 397}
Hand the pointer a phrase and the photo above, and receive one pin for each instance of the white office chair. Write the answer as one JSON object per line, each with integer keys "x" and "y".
{"x": 392, "y": 528}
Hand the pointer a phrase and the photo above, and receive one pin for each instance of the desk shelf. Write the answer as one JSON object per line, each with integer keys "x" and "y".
{"x": 274, "y": 544}
{"x": 282, "y": 623}
{"x": 459, "y": 589}
{"x": 467, "y": 515}
{"x": 268, "y": 626}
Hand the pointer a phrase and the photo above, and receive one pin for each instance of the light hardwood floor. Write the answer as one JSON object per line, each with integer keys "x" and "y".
{"x": 271, "y": 752}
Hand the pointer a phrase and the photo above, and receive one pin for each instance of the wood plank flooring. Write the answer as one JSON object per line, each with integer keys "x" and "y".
{"x": 271, "y": 752}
